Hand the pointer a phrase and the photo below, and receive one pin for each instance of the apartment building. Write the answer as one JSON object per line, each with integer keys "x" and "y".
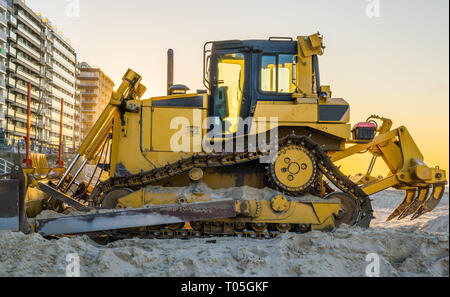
{"x": 3, "y": 40}
{"x": 38, "y": 54}
{"x": 95, "y": 88}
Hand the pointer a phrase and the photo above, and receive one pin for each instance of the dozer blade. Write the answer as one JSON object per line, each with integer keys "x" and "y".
{"x": 416, "y": 203}
{"x": 409, "y": 198}
{"x": 9, "y": 205}
{"x": 12, "y": 202}
{"x": 432, "y": 201}
{"x": 140, "y": 217}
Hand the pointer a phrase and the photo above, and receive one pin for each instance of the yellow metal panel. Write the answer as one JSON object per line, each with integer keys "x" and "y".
{"x": 302, "y": 112}
{"x": 327, "y": 225}
{"x": 146, "y": 127}
{"x": 340, "y": 130}
{"x": 162, "y": 134}
{"x": 381, "y": 185}
{"x": 323, "y": 210}
{"x": 287, "y": 111}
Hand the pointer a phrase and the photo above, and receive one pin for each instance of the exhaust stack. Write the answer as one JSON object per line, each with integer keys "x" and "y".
{"x": 169, "y": 71}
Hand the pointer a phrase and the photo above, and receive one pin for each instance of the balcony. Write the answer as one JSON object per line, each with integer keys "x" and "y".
{"x": 21, "y": 102}
{"x": 12, "y": 20}
{"x": 63, "y": 85}
{"x": 63, "y": 61}
{"x": 3, "y": 20}
{"x": 27, "y": 34}
{"x": 10, "y": 112}
{"x": 11, "y": 67}
{"x": 88, "y": 85}
{"x": 89, "y": 75}
{"x": 89, "y": 110}
{"x": 2, "y": 68}
{"x": 12, "y": 52}
{"x": 49, "y": 63}
{"x": 2, "y": 83}
{"x": 67, "y": 98}
{"x": 25, "y": 89}
{"x": 3, "y": 52}
{"x": 11, "y": 82}
{"x": 29, "y": 63}
{"x": 20, "y": 130}
{"x": 23, "y": 116}
{"x": 3, "y": 4}
{"x": 2, "y": 35}
{"x": 64, "y": 51}
{"x": 12, "y": 36}
{"x": 29, "y": 22}
{"x": 33, "y": 52}
{"x": 69, "y": 76}
{"x": 89, "y": 94}
{"x": 31, "y": 78}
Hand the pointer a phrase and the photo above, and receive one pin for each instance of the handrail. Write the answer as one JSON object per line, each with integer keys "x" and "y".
{"x": 5, "y": 166}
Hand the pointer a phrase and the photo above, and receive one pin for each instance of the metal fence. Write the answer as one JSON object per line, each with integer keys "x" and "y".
{"x": 5, "y": 166}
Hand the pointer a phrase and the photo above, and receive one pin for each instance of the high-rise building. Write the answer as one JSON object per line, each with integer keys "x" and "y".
{"x": 95, "y": 88}
{"x": 3, "y": 40}
{"x": 38, "y": 54}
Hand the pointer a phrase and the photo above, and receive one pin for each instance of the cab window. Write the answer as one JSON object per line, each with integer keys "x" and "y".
{"x": 277, "y": 74}
{"x": 228, "y": 93}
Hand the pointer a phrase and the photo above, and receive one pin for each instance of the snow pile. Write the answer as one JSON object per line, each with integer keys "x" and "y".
{"x": 405, "y": 248}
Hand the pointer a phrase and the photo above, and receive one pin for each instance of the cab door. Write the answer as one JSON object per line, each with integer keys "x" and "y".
{"x": 228, "y": 85}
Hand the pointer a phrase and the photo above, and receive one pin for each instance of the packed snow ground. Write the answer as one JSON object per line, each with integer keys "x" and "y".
{"x": 405, "y": 248}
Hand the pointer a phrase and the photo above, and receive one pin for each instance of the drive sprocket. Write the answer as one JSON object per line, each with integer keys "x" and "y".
{"x": 293, "y": 170}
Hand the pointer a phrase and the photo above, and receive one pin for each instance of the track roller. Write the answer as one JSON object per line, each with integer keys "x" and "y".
{"x": 259, "y": 227}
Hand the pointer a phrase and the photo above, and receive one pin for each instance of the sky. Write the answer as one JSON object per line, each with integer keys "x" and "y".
{"x": 385, "y": 57}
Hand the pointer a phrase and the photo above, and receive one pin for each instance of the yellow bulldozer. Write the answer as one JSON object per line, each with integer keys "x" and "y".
{"x": 264, "y": 120}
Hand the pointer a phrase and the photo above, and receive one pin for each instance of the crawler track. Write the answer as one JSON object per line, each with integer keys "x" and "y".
{"x": 326, "y": 167}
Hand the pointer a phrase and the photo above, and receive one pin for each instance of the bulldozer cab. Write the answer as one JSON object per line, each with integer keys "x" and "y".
{"x": 241, "y": 73}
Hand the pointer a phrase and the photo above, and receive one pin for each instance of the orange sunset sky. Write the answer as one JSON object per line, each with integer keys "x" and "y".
{"x": 394, "y": 64}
